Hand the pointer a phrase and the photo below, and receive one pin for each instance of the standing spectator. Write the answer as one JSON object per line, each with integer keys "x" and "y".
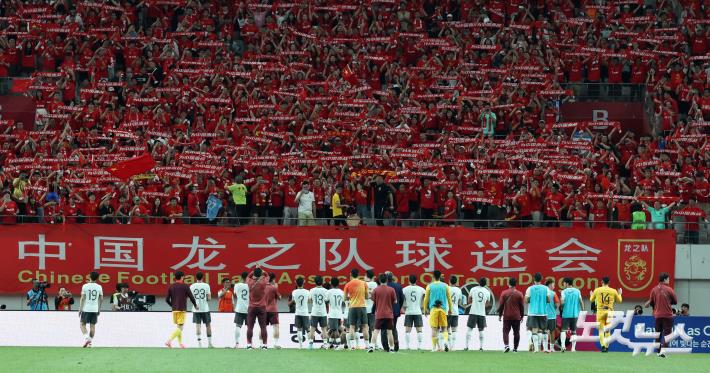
{"x": 382, "y": 199}
{"x": 173, "y": 212}
{"x": 194, "y": 211}
{"x": 553, "y": 206}
{"x": 658, "y": 214}
{"x": 290, "y": 205}
{"x": 662, "y": 299}
{"x": 306, "y": 205}
{"x": 488, "y": 121}
{"x": 8, "y": 210}
{"x": 337, "y": 207}
{"x": 238, "y": 191}
{"x": 511, "y": 310}
{"x": 362, "y": 206}
{"x": 692, "y": 214}
{"x": 106, "y": 212}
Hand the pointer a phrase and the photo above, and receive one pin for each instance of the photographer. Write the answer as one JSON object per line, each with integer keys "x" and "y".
{"x": 122, "y": 300}
{"x": 37, "y": 297}
{"x": 63, "y": 301}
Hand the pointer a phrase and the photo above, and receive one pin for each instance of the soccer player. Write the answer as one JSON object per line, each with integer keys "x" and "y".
{"x": 356, "y": 291}
{"x": 201, "y": 314}
{"x": 481, "y": 299}
{"x": 301, "y": 297}
{"x": 385, "y": 298}
{"x": 437, "y": 304}
{"x": 318, "y": 312}
{"x": 453, "y": 318}
{"x": 178, "y": 294}
{"x": 413, "y": 299}
{"x": 257, "y": 281}
{"x": 335, "y": 299}
{"x": 92, "y": 296}
{"x": 571, "y": 305}
{"x": 511, "y": 310}
{"x": 272, "y": 309}
{"x": 604, "y": 298}
{"x": 549, "y": 337}
{"x": 371, "y": 285}
{"x": 537, "y": 296}
{"x": 662, "y": 298}
{"x": 241, "y": 309}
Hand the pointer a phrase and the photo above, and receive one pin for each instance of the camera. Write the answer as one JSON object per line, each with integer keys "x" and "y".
{"x": 43, "y": 285}
{"x": 141, "y": 302}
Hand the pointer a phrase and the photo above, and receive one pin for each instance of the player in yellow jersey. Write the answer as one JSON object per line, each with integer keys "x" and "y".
{"x": 604, "y": 298}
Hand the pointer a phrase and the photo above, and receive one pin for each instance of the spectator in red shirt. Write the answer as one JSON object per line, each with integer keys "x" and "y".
{"x": 450, "y": 209}
{"x": 401, "y": 197}
{"x": 193, "y": 206}
{"x": 578, "y": 215}
{"x": 138, "y": 213}
{"x": 173, "y": 212}
{"x": 523, "y": 205}
{"x": 8, "y": 210}
{"x": 693, "y": 214}
{"x": 553, "y": 206}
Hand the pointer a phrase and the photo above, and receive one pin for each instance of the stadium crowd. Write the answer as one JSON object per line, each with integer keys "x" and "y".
{"x": 416, "y": 109}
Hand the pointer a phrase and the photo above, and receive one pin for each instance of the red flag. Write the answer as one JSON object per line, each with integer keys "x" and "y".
{"x": 349, "y": 75}
{"x": 134, "y": 166}
{"x": 20, "y": 85}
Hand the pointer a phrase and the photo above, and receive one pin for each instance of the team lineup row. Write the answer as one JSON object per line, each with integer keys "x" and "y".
{"x": 371, "y": 307}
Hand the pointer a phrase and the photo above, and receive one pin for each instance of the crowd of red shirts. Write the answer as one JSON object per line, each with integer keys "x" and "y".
{"x": 337, "y": 92}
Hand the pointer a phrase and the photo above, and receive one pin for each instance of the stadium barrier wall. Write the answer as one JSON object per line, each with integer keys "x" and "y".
{"x": 146, "y": 256}
{"x": 151, "y": 329}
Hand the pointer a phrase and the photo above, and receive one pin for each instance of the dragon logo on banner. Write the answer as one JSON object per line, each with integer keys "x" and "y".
{"x": 635, "y": 260}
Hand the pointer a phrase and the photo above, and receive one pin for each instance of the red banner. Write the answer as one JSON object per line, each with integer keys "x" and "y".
{"x": 146, "y": 255}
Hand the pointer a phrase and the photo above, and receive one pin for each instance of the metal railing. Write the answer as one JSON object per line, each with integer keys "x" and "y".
{"x": 607, "y": 91}
{"x": 684, "y": 235}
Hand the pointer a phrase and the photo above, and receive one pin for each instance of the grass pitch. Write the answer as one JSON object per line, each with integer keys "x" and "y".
{"x": 48, "y": 359}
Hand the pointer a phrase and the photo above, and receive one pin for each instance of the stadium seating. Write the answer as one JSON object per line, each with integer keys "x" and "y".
{"x": 462, "y": 94}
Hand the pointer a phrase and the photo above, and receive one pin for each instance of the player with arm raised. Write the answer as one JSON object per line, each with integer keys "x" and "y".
{"x": 481, "y": 299}
{"x": 300, "y": 298}
{"x": 201, "y": 314}
{"x": 572, "y": 303}
{"x": 604, "y": 297}
{"x": 241, "y": 308}
{"x": 92, "y": 296}
{"x": 537, "y": 296}
{"x": 335, "y": 313}
{"x": 178, "y": 294}
{"x": 257, "y": 281}
{"x": 453, "y": 317}
{"x": 318, "y": 311}
{"x": 413, "y": 299}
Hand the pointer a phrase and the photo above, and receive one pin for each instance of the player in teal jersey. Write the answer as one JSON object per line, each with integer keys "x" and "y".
{"x": 572, "y": 304}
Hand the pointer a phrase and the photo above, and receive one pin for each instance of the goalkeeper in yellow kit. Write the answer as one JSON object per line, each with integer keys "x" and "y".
{"x": 604, "y": 298}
